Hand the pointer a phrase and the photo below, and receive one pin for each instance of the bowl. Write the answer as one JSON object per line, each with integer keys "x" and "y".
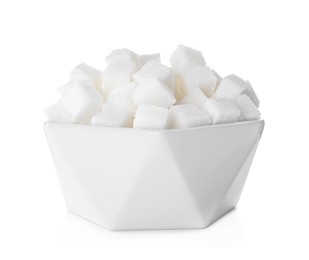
{"x": 135, "y": 179}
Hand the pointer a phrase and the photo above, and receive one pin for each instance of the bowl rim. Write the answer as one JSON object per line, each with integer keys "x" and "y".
{"x": 158, "y": 131}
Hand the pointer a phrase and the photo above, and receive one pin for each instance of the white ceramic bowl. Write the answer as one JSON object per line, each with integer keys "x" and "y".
{"x": 131, "y": 179}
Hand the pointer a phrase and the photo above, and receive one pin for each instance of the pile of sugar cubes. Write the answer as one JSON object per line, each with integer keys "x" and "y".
{"x": 138, "y": 91}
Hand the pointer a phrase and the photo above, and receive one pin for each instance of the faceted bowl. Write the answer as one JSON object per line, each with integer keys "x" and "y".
{"x": 134, "y": 179}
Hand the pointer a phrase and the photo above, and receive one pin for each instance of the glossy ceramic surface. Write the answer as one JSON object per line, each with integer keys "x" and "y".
{"x": 130, "y": 179}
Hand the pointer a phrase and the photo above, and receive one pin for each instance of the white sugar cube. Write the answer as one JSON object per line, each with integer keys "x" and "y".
{"x": 179, "y": 89}
{"x": 153, "y": 92}
{"x": 154, "y": 69}
{"x": 122, "y": 97}
{"x": 117, "y": 74}
{"x": 122, "y": 55}
{"x": 143, "y": 59}
{"x": 112, "y": 115}
{"x": 151, "y": 117}
{"x": 232, "y": 86}
{"x": 84, "y": 72}
{"x": 222, "y": 110}
{"x": 201, "y": 77}
{"x": 219, "y": 78}
{"x": 183, "y": 116}
{"x": 196, "y": 97}
{"x": 82, "y": 101}
{"x": 65, "y": 88}
{"x": 251, "y": 94}
{"x": 185, "y": 57}
{"x": 248, "y": 110}
{"x": 57, "y": 113}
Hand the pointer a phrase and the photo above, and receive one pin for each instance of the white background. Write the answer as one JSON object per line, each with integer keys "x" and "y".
{"x": 266, "y": 42}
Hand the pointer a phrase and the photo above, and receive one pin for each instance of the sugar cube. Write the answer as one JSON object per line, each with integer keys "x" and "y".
{"x": 179, "y": 89}
{"x": 219, "y": 78}
{"x": 185, "y": 57}
{"x": 65, "y": 88}
{"x": 84, "y": 72}
{"x": 196, "y": 97}
{"x": 232, "y": 86}
{"x": 201, "y": 77}
{"x": 82, "y": 101}
{"x": 151, "y": 117}
{"x": 122, "y": 97}
{"x": 122, "y": 55}
{"x": 154, "y": 69}
{"x": 251, "y": 93}
{"x": 222, "y": 110}
{"x": 57, "y": 113}
{"x": 112, "y": 115}
{"x": 153, "y": 92}
{"x": 117, "y": 74}
{"x": 187, "y": 115}
{"x": 248, "y": 110}
{"x": 143, "y": 59}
